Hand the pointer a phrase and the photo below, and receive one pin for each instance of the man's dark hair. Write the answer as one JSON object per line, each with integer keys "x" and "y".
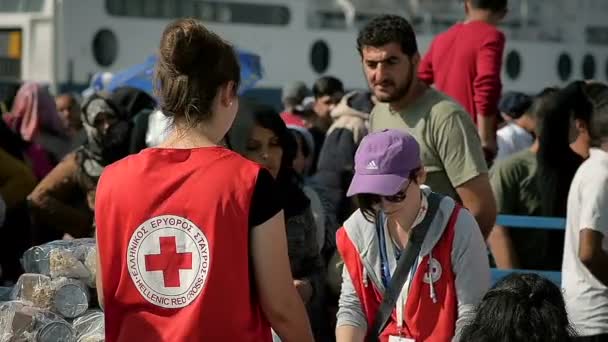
{"x": 515, "y": 104}
{"x": 521, "y": 308}
{"x": 327, "y": 86}
{"x": 490, "y": 5}
{"x": 387, "y": 29}
{"x": 598, "y": 122}
{"x": 541, "y": 103}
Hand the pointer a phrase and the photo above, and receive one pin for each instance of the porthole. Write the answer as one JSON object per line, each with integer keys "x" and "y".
{"x": 513, "y": 64}
{"x": 564, "y": 66}
{"x": 319, "y": 56}
{"x": 105, "y": 47}
{"x": 588, "y": 67}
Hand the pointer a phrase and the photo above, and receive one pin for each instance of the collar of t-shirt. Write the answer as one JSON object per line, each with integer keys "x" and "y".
{"x": 420, "y": 105}
{"x": 518, "y": 131}
{"x": 597, "y": 153}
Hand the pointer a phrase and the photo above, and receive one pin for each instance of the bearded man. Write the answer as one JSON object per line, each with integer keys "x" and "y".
{"x": 450, "y": 145}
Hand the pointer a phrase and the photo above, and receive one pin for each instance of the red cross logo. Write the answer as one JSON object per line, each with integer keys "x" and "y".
{"x": 169, "y": 261}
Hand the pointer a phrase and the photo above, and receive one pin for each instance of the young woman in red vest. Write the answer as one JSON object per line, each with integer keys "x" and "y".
{"x": 451, "y": 273}
{"x": 191, "y": 236}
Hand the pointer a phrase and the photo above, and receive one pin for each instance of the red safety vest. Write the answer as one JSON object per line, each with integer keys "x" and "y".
{"x": 424, "y": 319}
{"x": 173, "y": 236}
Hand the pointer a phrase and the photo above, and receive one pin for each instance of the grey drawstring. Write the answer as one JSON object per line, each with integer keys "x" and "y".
{"x": 430, "y": 275}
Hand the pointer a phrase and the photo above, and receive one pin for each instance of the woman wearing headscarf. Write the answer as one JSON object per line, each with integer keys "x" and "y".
{"x": 35, "y": 118}
{"x": 133, "y": 101}
{"x": 64, "y": 200}
{"x": 260, "y": 135}
{"x": 33, "y": 114}
{"x": 139, "y": 107}
{"x": 302, "y": 163}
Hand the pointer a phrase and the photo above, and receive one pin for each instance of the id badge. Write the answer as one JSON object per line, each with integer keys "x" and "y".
{"x": 400, "y": 339}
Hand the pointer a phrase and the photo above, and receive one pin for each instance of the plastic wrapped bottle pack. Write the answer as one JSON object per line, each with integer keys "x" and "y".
{"x": 53, "y": 301}
{"x": 21, "y": 322}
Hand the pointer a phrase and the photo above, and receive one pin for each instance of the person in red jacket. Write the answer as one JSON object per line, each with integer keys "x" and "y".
{"x": 191, "y": 236}
{"x": 465, "y": 62}
{"x": 451, "y": 273}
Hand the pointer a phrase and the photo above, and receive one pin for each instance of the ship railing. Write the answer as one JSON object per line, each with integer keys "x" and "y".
{"x": 529, "y": 222}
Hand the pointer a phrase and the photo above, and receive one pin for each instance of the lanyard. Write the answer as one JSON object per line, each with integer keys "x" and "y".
{"x": 386, "y": 247}
{"x": 387, "y": 263}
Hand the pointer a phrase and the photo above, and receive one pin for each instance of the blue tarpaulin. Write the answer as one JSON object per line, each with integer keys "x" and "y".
{"x": 140, "y": 76}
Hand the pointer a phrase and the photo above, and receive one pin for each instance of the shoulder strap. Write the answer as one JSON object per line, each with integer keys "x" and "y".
{"x": 406, "y": 261}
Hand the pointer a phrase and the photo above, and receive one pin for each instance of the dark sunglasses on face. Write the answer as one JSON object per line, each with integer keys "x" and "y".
{"x": 400, "y": 196}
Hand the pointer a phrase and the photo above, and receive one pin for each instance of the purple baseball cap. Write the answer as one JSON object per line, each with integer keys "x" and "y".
{"x": 383, "y": 163}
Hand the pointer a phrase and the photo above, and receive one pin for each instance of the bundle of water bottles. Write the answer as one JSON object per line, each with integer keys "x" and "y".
{"x": 55, "y": 299}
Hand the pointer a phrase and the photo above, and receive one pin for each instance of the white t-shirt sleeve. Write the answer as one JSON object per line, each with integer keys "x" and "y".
{"x": 504, "y": 143}
{"x": 594, "y": 204}
{"x": 158, "y": 128}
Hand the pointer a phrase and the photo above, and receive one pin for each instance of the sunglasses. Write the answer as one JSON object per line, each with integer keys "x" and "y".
{"x": 398, "y": 197}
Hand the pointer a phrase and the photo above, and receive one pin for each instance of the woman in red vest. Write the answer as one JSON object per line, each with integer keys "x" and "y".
{"x": 191, "y": 236}
{"x": 448, "y": 277}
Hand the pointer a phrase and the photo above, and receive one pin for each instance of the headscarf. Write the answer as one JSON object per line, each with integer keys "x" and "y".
{"x": 94, "y": 108}
{"x": 102, "y": 149}
{"x": 33, "y": 110}
{"x": 132, "y": 100}
{"x": 298, "y": 127}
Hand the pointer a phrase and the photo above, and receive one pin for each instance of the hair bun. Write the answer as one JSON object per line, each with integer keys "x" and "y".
{"x": 188, "y": 47}
{"x": 193, "y": 64}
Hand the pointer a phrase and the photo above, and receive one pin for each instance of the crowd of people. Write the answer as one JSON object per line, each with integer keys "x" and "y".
{"x": 350, "y": 215}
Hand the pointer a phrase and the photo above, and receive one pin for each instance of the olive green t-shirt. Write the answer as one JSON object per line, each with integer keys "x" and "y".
{"x": 513, "y": 181}
{"x": 514, "y": 185}
{"x": 450, "y": 147}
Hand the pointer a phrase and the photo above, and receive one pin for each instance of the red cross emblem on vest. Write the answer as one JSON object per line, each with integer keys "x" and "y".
{"x": 169, "y": 261}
